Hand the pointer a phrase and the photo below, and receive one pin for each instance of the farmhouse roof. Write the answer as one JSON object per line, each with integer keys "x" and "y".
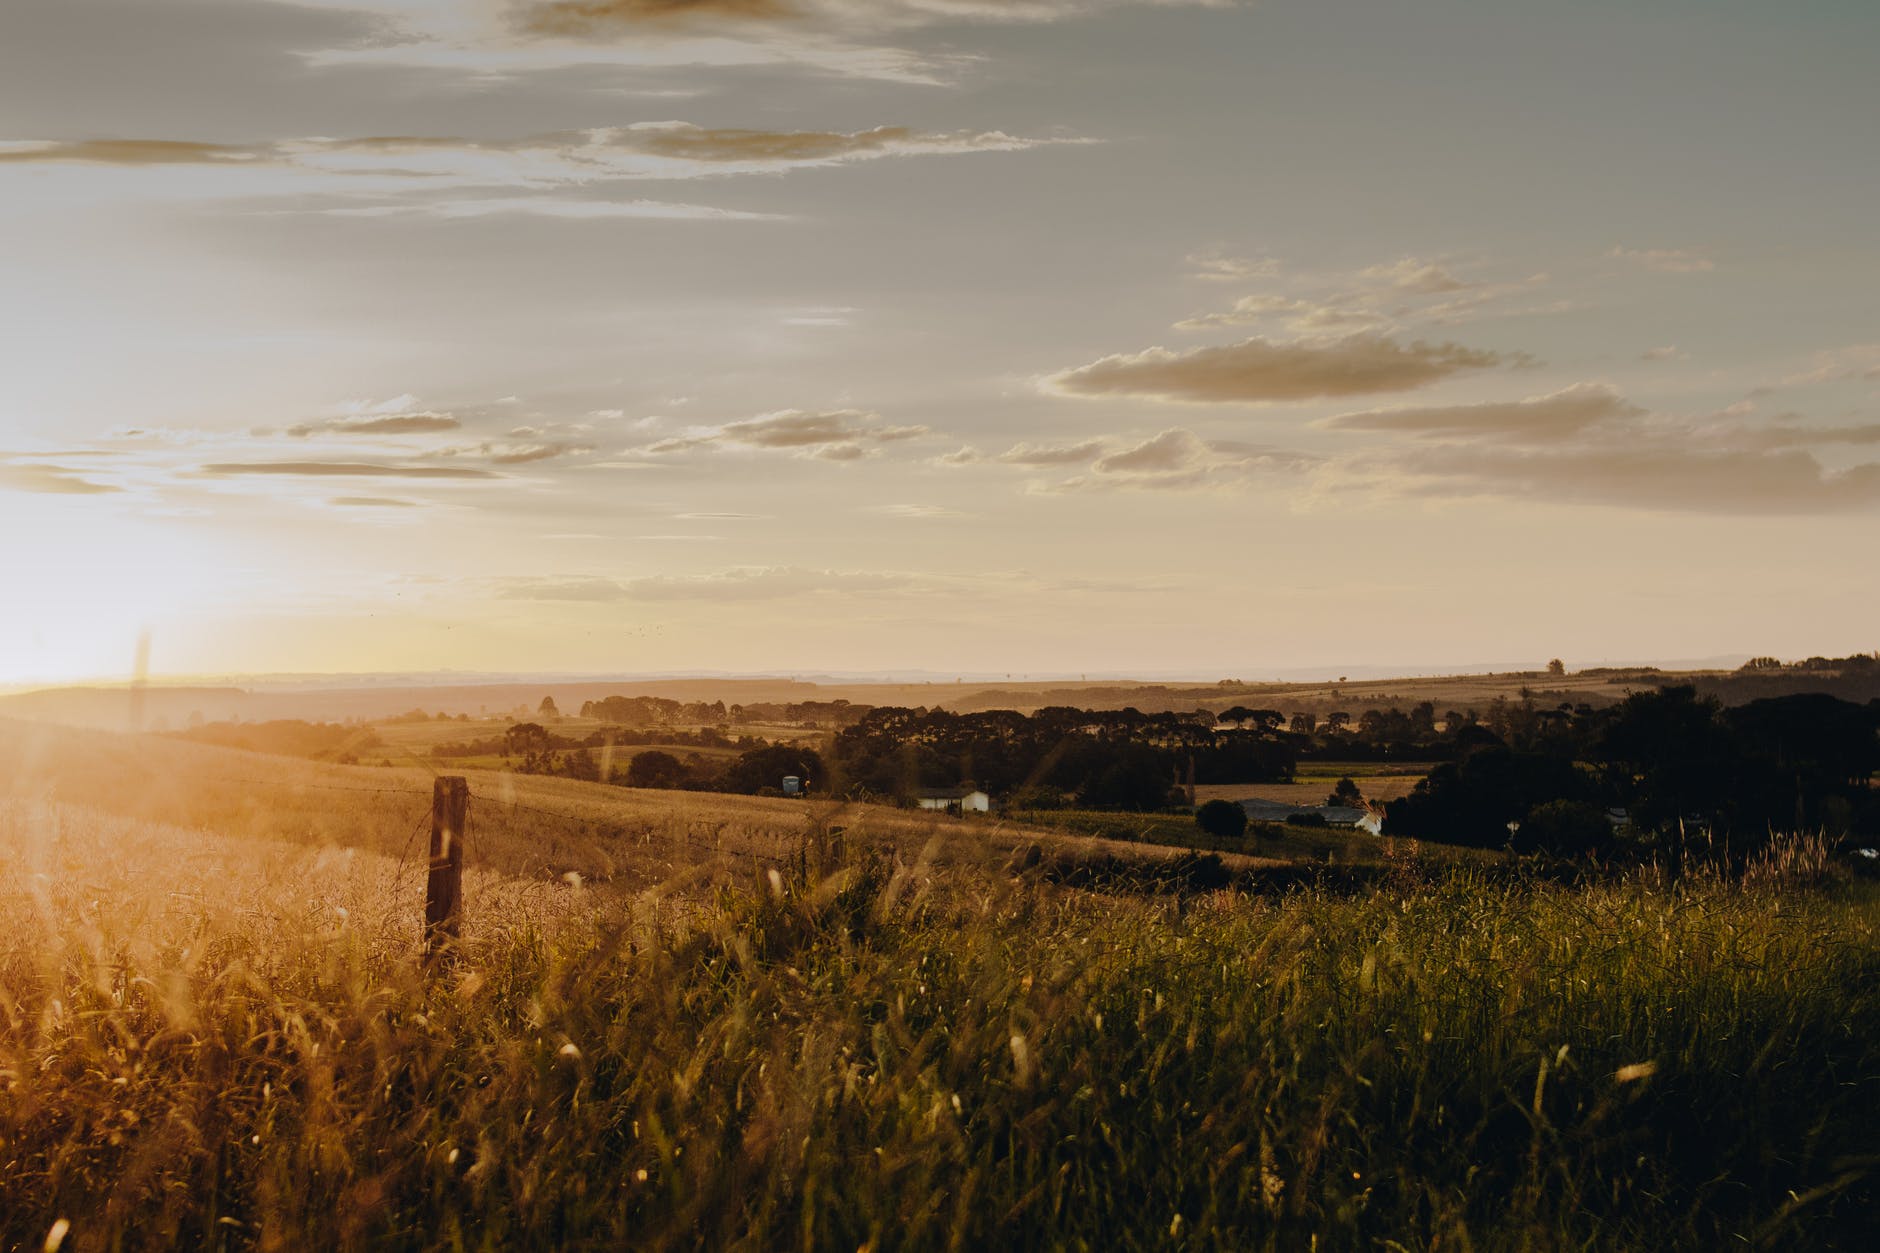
{"x": 1277, "y": 811}
{"x": 945, "y": 793}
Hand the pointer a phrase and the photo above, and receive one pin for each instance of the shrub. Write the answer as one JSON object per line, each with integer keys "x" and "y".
{"x": 1562, "y": 829}
{"x": 1224, "y": 819}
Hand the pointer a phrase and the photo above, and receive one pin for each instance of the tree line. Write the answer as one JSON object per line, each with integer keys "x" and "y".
{"x": 1665, "y": 770}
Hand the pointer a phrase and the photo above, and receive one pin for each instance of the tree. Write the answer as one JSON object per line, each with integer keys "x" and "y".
{"x": 1346, "y": 795}
{"x": 547, "y": 708}
{"x": 525, "y": 738}
{"x": 1222, "y": 819}
{"x": 1136, "y": 777}
{"x": 1557, "y": 667}
{"x": 767, "y": 767}
{"x": 655, "y": 769}
{"x": 1669, "y": 755}
{"x": 1562, "y": 828}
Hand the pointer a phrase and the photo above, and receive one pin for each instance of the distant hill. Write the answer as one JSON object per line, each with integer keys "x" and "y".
{"x": 162, "y": 707}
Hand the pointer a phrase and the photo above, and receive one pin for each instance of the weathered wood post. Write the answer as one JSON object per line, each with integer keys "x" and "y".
{"x": 443, "y": 888}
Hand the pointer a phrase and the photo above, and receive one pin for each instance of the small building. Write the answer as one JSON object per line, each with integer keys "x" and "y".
{"x": 953, "y": 800}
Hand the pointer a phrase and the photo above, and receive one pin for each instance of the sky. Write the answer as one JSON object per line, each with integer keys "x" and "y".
{"x": 1032, "y": 336}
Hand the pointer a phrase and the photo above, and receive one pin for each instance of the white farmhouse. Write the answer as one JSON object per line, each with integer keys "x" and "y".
{"x": 954, "y": 800}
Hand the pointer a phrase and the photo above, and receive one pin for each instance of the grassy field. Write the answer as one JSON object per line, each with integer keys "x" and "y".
{"x": 213, "y": 1034}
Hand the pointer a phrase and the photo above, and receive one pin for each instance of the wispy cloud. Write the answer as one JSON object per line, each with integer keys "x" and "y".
{"x": 510, "y": 453}
{"x": 640, "y": 150}
{"x": 1860, "y": 362}
{"x": 1537, "y": 419}
{"x": 1052, "y": 454}
{"x": 1179, "y": 460}
{"x": 1408, "y": 292}
{"x": 1664, "y": 260}
{"x": 740, "y": 583}
{"x": 1589, "y": 445}
{"x": 855, "y": 38}
{"x": 549, "y": 206}
{"x": 343, "y": 469}
{"x": 831, "y": 435}
{"x": 49, "y": 480}
{"x": 1258, "y": 371}
{"x": 394, "y": 424}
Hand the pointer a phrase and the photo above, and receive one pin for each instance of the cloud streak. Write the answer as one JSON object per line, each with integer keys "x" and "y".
{"x": 1589, "y": 445}
{"x": 49, "y": 480}
{"x": 342, "y": 469}
{"x": 833, "y": 435}
{"x": 640, "y": 150}
{"x": 1262, "y": 371}
{"x": 394, "y": 424}
{"x": 1178, "y": 460}
{"x": 1539, "y": 418}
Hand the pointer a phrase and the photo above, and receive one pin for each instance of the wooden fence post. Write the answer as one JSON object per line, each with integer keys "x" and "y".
{"x": 443, "y": 888}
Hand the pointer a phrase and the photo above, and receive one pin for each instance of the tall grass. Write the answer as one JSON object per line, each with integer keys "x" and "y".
{"x": 225, "y": 1043}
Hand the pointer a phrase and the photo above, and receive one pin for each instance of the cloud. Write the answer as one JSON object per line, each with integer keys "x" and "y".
{"x": 372, "y": 502}
{"x": 593, "y": 590}
{"x": 552, "y": 207}
{"x": 833, "y": 435}
{"x": 1589, "y": 445}
{"x": 1665, "y": 352}
{"x": 741, "y": 583}
{"x": 1536, "y": 419}
{"x": 852, "y": 38}
{"x": 1051, "y": 454}
{"x": 1664, "y": 260}
{"x": 920, "y": 511}
{"x": 641, "y": 150}
{"x": 49, "y": 480}
{"x": 1788, "y": 433}
{"x": 516, "y": 454}
{"x": 131, "y": 152}
{"x": 343, "y": 469}
{"x": 600, "y": 17}
{"x": 1299, "y": 315}
{"x": 1215, "y": 267}
{"x": 396, "y": 424}
{"x": 1257, "y": 371}
{"x": 1414, "y": 276}
{"x": 1662, "y": 477}
{"x": 1409, "y": 291}
{"x": 612, "y": 19}
{"x": 1859, "y": 362}
{"x": 1179, "y": 460}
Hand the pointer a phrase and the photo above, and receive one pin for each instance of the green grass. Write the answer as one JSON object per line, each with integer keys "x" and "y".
{"x": 214, "y": 1043}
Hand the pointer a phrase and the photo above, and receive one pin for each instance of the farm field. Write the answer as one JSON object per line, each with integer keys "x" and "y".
{"x": 1314, "y": 780}
{"x": 214, "y": 1032}
{"x": 411, "y": 743}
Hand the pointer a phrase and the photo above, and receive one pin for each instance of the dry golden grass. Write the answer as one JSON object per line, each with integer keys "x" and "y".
{"x": 529, "y": 826}
{"x": 222, "y": 1041}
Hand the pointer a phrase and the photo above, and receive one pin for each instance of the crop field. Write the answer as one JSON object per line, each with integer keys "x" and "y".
{"x": 668, "y": 1026}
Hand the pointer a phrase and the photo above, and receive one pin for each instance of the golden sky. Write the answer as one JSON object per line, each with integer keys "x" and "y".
{"x": 965, "y": 336}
